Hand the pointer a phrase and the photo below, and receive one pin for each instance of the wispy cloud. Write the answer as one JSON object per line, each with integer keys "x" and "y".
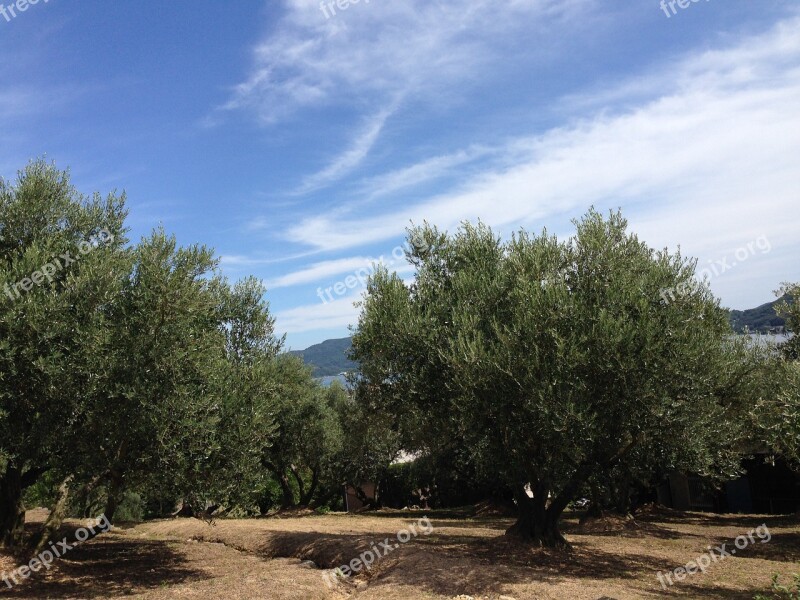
{"x": 346, "y": 162}
{"x": 333, "y": 315}
{"x": 385, "y": 56}
{"x": 717, "y": 140}
{"x": 430, "y": 169}
{"x": 376, "y": 52}
{"x": 320, "y": 271}
{"x": 323, "y": 272}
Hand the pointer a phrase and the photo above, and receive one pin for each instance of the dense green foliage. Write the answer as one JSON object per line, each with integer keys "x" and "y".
{"x": 789, "y": 308}
{"x": 136, "y": 376}
{"x": 331, "y": 356}
{"x": 51, "y": 332}
{"x": 554, "y": 363}
{"x": 776, "y": 414}
{"x": 136, "y": 380}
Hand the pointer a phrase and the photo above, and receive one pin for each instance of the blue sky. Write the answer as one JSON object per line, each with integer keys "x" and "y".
{"x": 300, "y": 143}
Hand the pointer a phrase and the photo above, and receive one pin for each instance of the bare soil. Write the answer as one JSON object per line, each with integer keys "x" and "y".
{"x": 461, "y": 558}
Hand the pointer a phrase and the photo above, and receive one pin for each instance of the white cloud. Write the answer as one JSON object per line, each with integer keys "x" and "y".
{"x": 359, "y": 266}
{"x": 382, "y": 54}
{"x": 428, "y": 170}
{"x": 720, "y": 149}
{"x": 350, "y": 159}
{"x": 384, "y": 50}
{"x": 239, "y": 260}
{"x": 332, "y": 315}
{"x": 320, "y": 271}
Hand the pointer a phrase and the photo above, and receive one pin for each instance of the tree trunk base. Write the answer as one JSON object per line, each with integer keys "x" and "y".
{"x": 55, "y": 518}
{"x": 593, "y": 512}
{"x": 540, "y": 537}
{"x": 537, "y": 524}
{"x": 12, "y": 511}
{"x": 185, "y": 511}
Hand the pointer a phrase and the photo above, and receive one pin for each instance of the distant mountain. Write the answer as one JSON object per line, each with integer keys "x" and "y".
{"x": 761, "y": 319}
{"x": 328, "y": 358}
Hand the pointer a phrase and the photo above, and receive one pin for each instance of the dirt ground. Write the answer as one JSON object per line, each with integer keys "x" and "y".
{"x": 458, "y": 558}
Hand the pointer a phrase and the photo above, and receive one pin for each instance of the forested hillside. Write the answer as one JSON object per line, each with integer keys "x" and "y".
{"x": 759, "y": 319}
{"x": 328, "y": 357}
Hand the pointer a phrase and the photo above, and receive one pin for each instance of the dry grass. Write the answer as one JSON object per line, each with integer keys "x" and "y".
{"x": 244, "y": 559}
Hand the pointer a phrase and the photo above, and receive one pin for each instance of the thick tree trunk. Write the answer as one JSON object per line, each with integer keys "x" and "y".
{"x": 306, "y": 498}
{"x": 301, "y": 486}
{"x": 55, "y": 518}
{"x": 536, "y": 523}
{"x": 288, "y": 496}
{"x": 12, "y": 511}
{"x": 114, "y": 496}
{"x": 622, "y": 505}
{"x": 84, "y": 495}
{"x": 538, "y": 518}
{"x": 322, "y": 499}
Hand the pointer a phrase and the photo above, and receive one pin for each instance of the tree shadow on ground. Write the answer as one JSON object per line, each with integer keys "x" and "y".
{"x": 636, "y": 530}
{"x": 466, "y": 570}
{"x": 451, "y": 565}
{"x": 108, "y": 565}
{"x": 499, "y": 524}
{"x": 745, "y": 522}
{"x": 690, "y": 591}
{"x": 782, "y": 547}
{"x": 439, "y": 513}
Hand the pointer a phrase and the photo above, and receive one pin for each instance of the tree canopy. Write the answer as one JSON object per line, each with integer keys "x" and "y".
{"x": 138, "y": 369}
{"x": 553, "y": 361}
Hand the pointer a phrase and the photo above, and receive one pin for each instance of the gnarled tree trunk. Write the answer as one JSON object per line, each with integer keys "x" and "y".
{"x": 12, "y": 510}
{"x": 308, "y": 496}
{"x": 287, "y": 495}
{"x": 55, "y": 518}
{"x": 114, "y": 496}
{"x": 537, "y": 523}
{"x": 539, "y": 516}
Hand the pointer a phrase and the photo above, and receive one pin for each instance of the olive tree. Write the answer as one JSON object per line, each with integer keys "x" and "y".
{"x": 308, "y": 435}
{"x": 554, "y": 361}
{"x": 59, "y": 267}
{"x": 776, "y": 414}
{"x": 157, "y": 406}
{"x": 789, "y": 308}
